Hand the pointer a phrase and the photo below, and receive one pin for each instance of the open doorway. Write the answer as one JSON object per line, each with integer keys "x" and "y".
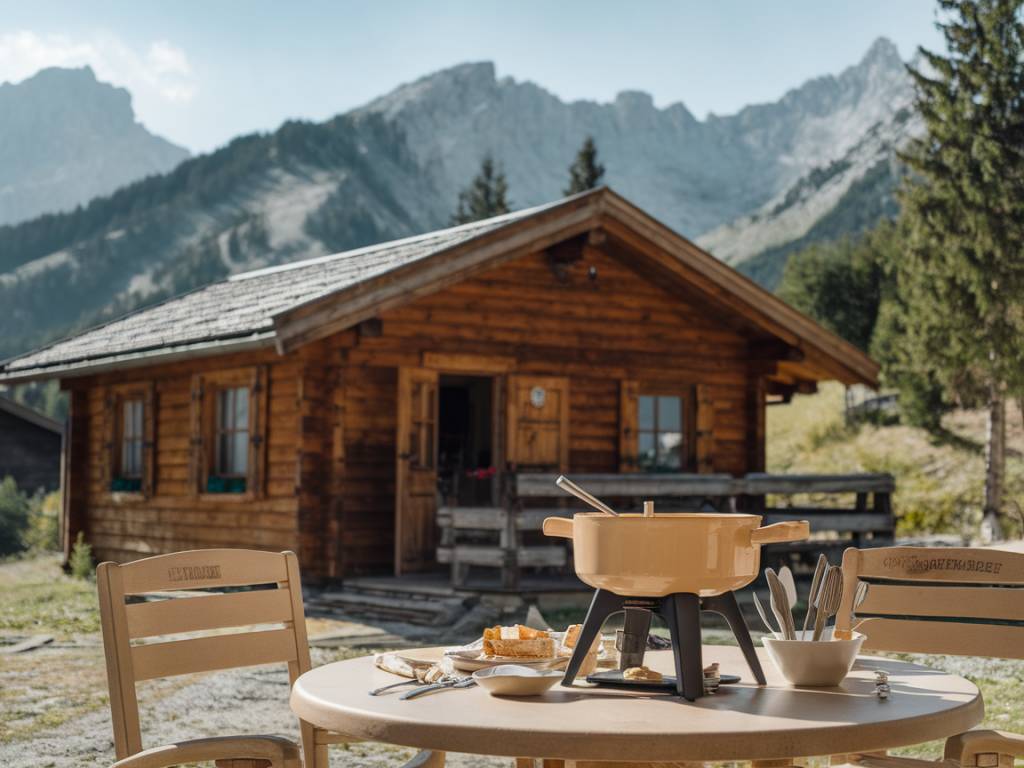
{"x": 467, "y": 475}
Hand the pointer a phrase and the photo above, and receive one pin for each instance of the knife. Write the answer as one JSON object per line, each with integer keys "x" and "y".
{"x": 780, "y": 604}
{"x": 466, "y": 682}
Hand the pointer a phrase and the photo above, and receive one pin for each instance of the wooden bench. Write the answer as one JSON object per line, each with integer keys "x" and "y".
{"x": 492, "y": 537}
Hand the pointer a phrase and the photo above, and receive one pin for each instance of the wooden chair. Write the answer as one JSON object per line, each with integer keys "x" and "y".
{"x": 951, "y": 601}
{"x": 279, "y": 605}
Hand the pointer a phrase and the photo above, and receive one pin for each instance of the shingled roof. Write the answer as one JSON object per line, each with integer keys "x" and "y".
{"x": 292, "y": 304}
{"x": 237, "y": 312}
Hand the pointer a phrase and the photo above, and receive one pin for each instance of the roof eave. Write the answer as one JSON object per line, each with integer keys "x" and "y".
{"x": 95, "y": 365}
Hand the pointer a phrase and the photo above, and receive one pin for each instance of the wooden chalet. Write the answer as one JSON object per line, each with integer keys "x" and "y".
{"x": 330, "y": 406}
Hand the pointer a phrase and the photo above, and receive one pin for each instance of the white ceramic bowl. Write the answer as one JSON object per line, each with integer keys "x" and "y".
{"x": 806, "y": 662}
{"x": 516, "y": 680}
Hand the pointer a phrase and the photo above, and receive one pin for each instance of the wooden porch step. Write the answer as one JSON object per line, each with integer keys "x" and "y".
{"x": 428, "y": 611}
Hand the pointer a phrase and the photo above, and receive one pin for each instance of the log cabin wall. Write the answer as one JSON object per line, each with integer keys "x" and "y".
{"x": 126, "y": 526}
{"x": 595, "y": 321}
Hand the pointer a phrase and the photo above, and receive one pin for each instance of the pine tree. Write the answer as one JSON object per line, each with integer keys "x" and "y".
{"x": 585, "y": 172}
{"x": 962, "y": 276}
{"x": 486, "y": 196}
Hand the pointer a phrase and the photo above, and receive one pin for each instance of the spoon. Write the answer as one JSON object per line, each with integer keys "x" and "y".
{"x": 569, "y": 486}
{"x": 828, "y": 599}
{"x": 812, "y": 595}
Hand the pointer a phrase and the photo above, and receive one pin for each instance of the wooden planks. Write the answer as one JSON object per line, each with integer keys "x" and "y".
{"x": 193, "y": 614}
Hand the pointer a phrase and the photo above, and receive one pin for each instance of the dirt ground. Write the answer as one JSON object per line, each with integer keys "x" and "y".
{"x": 53, "y": 700}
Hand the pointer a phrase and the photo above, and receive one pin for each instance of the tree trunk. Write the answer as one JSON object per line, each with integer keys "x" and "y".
{"x": 995, "y": 462}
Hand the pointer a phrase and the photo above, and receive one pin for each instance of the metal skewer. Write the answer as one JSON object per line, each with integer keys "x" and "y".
{"x": 569, "y": 486}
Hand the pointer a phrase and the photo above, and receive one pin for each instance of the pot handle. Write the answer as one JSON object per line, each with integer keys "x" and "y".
{"x": 558, "y": 526}
{"x": 791, "y": 530}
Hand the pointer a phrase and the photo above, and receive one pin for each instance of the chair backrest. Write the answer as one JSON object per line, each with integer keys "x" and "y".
{"x": 129, "y": 662}
{"x": 950, "y": 600}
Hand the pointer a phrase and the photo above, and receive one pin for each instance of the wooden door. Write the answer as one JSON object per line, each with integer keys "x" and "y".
{"x": 416, "y": 470}
{"x": 537, "y": 436}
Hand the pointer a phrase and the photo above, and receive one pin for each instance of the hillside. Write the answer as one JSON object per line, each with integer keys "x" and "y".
{"x": 66, "y": 138}
{"x": 939, "y": 481}
{"x": 395, "y": 166}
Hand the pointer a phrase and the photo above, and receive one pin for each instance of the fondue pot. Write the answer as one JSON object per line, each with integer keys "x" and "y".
{"x": 656, "y": 555}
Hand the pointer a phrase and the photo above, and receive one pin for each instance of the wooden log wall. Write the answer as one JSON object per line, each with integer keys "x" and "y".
{"x": 552, "y": 320}
{"x": 126, "y": 526}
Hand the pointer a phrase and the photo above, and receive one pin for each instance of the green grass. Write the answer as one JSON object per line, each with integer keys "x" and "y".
{"x": 939, "y": 478}
{"x": 37, "y": 598}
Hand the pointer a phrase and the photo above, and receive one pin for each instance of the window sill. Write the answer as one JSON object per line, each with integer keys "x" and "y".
{"x": 226, "y": 497}
{"x": 125, "y": 497}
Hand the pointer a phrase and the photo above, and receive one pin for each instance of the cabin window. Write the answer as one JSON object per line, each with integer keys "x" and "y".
{"x": 129, "y": 438}
{"x": 229, "y": 432}
{"x": 660, "y": 445}
{"x": 231, "y": 441}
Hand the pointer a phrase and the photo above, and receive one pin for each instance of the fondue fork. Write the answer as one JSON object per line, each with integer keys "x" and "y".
{"x": 828, "y": 599}
{"x": 569, "y": 486}
{"x": 812, "y": 595}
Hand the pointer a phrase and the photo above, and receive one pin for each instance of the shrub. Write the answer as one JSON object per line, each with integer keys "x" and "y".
{"x": 80, "y": 562}
{"x": 14, "y": 514}
{"x": 42, "y": 533}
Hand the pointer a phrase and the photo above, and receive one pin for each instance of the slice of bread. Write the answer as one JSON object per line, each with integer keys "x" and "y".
{"x": 572, "y": 635}
{"x": 533, "y": 648}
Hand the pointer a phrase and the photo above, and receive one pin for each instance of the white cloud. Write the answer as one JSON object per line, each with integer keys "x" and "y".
{"x": 159, "y": 72}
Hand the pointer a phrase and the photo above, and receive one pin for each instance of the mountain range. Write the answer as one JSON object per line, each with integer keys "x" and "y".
{"x": 66, "y": 138}
{"x": 751, "y": 186}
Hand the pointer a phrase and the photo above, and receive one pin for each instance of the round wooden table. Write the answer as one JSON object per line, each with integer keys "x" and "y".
{"x": 740, "y": 722}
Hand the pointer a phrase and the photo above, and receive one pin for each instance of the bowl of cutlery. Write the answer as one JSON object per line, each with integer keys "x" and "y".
{"x": 810, "y": 656}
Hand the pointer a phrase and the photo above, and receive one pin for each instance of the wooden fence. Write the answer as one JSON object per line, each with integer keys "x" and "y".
{"x": 508, "y": 537}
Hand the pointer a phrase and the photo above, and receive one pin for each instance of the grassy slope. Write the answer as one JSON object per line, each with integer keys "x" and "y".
{"x": 939, "y": 481}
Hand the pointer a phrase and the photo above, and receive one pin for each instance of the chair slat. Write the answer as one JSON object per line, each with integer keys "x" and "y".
{"x": 204, "y": 654}
{"x": 955, "y": 602}
{"x": 202, "y": 569}
{"x": 194, "y": 614}
{"x": 949, "y": 638}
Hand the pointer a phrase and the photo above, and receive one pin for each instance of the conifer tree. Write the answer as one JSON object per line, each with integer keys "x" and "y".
{"x": 585, "y": 172}
{"x": 486, "y": 196}
{"x": 962, "y": 276}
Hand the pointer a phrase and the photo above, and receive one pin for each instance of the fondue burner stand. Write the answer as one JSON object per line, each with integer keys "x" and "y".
{"x": 681, "y": 611}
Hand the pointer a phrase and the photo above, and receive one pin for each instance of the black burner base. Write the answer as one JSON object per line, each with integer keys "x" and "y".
{"x": 613, "y": 678}
{"x": 681, "y": 611}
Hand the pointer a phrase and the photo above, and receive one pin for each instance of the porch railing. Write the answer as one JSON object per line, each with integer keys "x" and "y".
{"x": 508, "y": 537}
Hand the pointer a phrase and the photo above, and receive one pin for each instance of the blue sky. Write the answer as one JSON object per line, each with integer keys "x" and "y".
{"x": 203, "y": 72}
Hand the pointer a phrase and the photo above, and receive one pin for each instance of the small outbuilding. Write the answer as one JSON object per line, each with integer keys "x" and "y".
{"x": 30, "y": 447}
{"x": 331, "y": 405}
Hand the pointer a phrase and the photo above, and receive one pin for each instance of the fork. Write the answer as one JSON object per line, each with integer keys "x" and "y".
{"x": 829, "y": 597}
{"x": 464, "y": 682}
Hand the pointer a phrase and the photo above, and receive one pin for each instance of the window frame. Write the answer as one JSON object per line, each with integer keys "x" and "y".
{"x": 629, "y": 452}
{"x": 118, "y": 485}
{"x": 206, "y": 390}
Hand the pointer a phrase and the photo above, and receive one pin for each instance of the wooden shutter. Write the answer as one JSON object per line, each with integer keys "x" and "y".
{"x": 259, "y": 397}
{"x": 705, "y": 437}
{"x": 629, "y": 391}
{"x": 538, "y": 435}
{"x": 110, "y": 420}
{"x": 197, "y": 452}
{"x": 149, "y": 405}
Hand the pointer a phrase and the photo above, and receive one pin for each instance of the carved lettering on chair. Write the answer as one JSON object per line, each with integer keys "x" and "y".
{"x": 919, "y": 565}
{"x": 193, "y": 573}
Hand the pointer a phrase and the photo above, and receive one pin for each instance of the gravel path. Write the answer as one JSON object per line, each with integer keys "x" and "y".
{"x": 235, "y": 701}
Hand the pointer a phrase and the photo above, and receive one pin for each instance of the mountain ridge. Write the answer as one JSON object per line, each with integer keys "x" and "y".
{"x": 66, "y": 138}
{"x": 394, "y": 167}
